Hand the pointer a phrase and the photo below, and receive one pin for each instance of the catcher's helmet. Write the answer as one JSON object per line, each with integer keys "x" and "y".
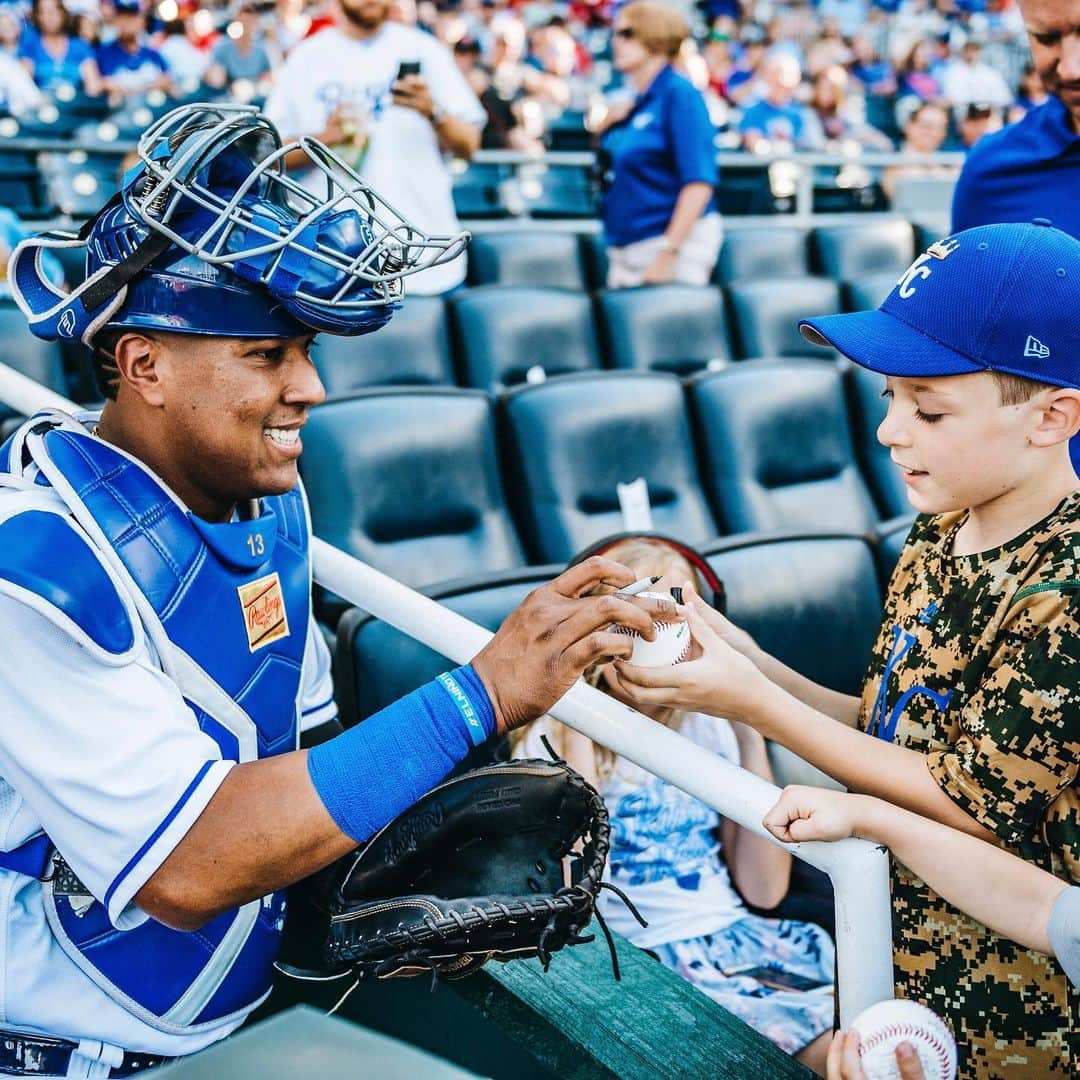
{"x": 209, "y": 235}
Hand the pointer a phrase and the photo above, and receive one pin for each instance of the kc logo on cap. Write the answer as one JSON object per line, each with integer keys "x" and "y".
{"x": 993, "y": 298}
{"x": 921, "y": 269}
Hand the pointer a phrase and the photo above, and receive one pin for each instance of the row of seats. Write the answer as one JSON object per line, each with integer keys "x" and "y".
{"x": 492, "y": 337}
{"x": 811, "y": 599}
{"x": 496, "y": 336}
{"x": 846, "y": 253}
{"x": 435, "y": 484}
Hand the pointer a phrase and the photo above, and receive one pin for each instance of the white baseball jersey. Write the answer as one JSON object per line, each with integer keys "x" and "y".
{"x": 109, "y": 761}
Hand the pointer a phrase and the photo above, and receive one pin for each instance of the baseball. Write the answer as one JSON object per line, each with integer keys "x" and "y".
{"x": 885, "y": 1025}
{"x": 671, "y": 645}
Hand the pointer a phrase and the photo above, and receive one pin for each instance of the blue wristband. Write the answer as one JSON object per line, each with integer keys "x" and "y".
{"x": 470, "y": 714}
{"x": 367, "y": 775}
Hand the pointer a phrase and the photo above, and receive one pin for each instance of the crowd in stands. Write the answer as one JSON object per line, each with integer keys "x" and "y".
{"x": 825, "y": 75}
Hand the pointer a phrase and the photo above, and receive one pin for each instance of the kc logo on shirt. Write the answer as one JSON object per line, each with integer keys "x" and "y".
{"x": 922, "y": 267}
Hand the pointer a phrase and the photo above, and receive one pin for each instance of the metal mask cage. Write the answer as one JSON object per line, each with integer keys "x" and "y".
{"x": 176, "y": 155}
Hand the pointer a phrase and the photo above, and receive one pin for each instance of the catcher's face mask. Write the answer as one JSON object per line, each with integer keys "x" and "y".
{"x": 210, "y": 191}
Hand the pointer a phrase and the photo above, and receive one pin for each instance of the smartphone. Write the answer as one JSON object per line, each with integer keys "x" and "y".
{"x": 777, "y": 978}
{"x": 407, "y": 68}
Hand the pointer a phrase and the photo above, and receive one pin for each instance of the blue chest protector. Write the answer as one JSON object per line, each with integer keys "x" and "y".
{"x": 227, "y": 608}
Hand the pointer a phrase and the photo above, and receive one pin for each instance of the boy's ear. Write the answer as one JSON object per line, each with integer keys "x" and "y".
{"x": 1059, "y": 418}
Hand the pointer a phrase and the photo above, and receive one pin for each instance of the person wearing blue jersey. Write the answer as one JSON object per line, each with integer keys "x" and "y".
{"x": 659, "y": 210}
{"x": 161, "y": 659}
{"x": 1031, "y": 168}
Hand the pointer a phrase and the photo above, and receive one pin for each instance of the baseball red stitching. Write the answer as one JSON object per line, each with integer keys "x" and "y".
{"x": 907, "y": 1030}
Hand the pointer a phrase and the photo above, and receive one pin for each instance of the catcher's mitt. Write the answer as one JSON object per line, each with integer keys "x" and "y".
{"x": 503, "y": 862}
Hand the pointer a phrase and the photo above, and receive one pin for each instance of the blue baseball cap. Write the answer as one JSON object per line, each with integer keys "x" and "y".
{"x": 994, "y": 298}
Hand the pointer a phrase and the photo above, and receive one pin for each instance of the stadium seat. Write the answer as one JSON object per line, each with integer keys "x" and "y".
{"x": 563, "y": 191}
{"x": 504, "y": 335}
{"x": 748, "y": 191}
{"x": 890, "y": 537}
{"x": 811, "y": 600}
{"x": 478, "y": 191}
{"x": 536, "y": 257}
{"x": 41, "y": 360}
{"x": 376, "y": 664}
{"x": 766, "y": 314}
{"x": 408, "y": 480}
{"x": 677, "y": 328}
{"x": 412, "y": 349}
{"x": 573, "y": 439}
{"x": 594, "y": 259}
{"x": 868, "y": 409}
{"x": 851, "y": 252}
{"x": 762, "y": 252}
{"x": 21, "y": 186}
{"x": 868, "y": 292}
{"x": 777, "y": 448}
{"x": 79, "y": 184}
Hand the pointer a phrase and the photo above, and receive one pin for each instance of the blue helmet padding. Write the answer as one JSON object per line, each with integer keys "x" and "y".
{"x": 182, "y": 293}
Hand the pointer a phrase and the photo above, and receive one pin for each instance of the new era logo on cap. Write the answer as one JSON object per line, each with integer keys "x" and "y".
{"x": 1033, "y": 347}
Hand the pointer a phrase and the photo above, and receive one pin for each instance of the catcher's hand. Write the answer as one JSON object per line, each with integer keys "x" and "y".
{"x": 476, "y": 870}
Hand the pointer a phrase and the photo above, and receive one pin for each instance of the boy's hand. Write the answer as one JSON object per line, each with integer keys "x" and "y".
{"x": 843, "y": 1062}
{"x": 720, "y": 624}
{"x": 808, "y": 813}
{"x": 717, "y": 679}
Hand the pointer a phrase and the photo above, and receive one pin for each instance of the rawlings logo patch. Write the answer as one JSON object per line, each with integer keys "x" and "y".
{"x": 264, "y": 611}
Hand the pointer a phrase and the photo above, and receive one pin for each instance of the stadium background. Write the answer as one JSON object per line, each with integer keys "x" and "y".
{"x": 475, "y": 444}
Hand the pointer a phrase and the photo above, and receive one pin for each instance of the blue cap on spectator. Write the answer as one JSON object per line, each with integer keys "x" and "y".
{"x": 994, "y": 298}
{"x": 128, "y": 7}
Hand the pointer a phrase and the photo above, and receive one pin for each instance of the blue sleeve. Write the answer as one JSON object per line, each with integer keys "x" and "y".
{"x": 157, "y": 59}
{"x": 965, "y": 204}
{"x": 749, "y": 121}
{"x": 366, "y": 776}
{"x": 692, "y": 133}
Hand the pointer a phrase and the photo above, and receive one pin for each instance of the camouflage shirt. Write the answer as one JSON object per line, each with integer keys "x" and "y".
{"x": 977, "y": 665}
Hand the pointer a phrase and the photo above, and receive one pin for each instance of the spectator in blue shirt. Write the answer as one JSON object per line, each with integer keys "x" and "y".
{"x": 778, "y": 120}
{"x": 659, "y": 212}
{"x": 52, "y": 53}
{"x": 128, "y": 65}
{"x": 1032, "y": 168}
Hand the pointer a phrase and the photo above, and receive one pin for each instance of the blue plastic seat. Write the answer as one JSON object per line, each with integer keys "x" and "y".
{"x": 676, "y": 328}
{"x": 506, "y": 335}
{"x": 408, "y": 480}
{"x": 534, "y": 257}
{"x": 777, "y": 448}
{"x": 766, "y": 314}
{"x": 412, "y": 349}
{"x": 572, "y": 440}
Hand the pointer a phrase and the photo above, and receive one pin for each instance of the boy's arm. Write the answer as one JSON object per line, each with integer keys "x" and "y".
{"x": 1003, "y": 892}
{"x": 842, "y": 707}
{"x": 724, "y": 682}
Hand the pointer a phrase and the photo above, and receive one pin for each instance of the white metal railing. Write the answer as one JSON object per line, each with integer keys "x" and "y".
{"x": 858, "y": 869}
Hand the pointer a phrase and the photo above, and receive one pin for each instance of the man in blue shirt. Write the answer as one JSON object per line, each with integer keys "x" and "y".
{"x": 777, "y": 118}
{"x": 128, "y": 65}
{"x": 1032, "y": 168}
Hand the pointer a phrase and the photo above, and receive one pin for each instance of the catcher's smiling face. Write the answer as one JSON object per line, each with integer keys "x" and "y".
{"x": 218, "y": 419}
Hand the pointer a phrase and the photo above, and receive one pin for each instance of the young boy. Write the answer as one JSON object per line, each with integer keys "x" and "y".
{"x": 1012, "y": 897}
{"x": 970, "y": 713}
